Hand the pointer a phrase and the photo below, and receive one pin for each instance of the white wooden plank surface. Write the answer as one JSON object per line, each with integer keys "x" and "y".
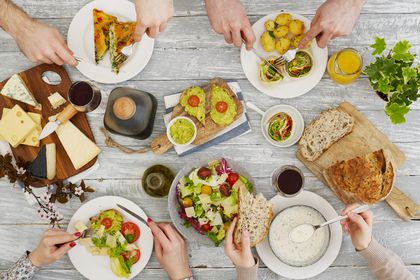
{"x": 184, "y": 49}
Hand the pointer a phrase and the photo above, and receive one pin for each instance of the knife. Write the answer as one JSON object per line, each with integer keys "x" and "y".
{"x": 133, "y": 214}
{"x": 68, "y": 112}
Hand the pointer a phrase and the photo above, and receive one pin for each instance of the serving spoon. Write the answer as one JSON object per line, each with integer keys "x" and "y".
{"x": 304, "y": 232}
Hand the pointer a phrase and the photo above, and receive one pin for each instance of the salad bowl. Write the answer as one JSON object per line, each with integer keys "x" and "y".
{"x": 189, "y": 232}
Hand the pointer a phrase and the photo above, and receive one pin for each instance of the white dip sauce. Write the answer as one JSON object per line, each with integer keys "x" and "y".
{"x": 298, "y": 254}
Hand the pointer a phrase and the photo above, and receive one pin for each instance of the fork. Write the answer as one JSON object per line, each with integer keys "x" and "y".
{"x": 125, "y": 53}
{"x": 290, "y": 54}
{"x": 277, "y": 63}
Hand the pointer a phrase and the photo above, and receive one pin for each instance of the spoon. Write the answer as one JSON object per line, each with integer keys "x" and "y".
{"x": 304, "y": 232}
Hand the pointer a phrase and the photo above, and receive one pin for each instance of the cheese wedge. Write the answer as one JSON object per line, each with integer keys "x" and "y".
{"x": 56, "y": 100}
{"x": 16, "y": 89}
{"x": 78, "y": 146}
{"x": 32, "y": 139}
{"x": 16, "y": 126}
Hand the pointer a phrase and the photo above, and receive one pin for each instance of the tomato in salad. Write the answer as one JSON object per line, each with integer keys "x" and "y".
{"x": 130, "y": 231}
{"x": 206, "y": 227}
{"x": 193, "y": 101}
{"x": 232, "y": 178}
{"x": 107, "y": 223}
{"x": 135, "y": 254}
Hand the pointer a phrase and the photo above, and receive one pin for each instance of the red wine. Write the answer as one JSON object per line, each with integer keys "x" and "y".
{"x": 84, "y": 95}
{"x": 289, "y": 181}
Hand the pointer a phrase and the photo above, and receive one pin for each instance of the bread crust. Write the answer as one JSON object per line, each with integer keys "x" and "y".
{"x": 365, "y": 179}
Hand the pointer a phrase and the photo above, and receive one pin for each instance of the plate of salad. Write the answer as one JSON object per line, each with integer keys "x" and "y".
{"x": 118, "y": 246}
{"x": 203, "y": 199}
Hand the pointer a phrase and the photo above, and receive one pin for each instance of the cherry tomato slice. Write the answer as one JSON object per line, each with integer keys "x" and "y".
{"x": 232, "y": 178}
{"x": 130, "y": 231}
{"x": 107, "y": 223}
{"x": 206, "y": 227}
{"x": 193, "y": 101}
{"x": 221, "y": 106}
{"x": 136, "y": 254}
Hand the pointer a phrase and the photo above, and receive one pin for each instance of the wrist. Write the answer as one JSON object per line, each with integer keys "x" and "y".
{"x": 33, "y": 258}
{"x": 248, "y": 263}
{"x": 363, "y": 246}
{"x": 185, "y": 274}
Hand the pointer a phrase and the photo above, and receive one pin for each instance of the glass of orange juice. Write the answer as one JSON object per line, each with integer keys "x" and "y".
{"x": 345, "y": 66}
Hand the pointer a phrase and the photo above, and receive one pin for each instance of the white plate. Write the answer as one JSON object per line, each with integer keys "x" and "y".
{"x": 288, "y": 87}
{"x": 315, "y": 201}
{"x": 80, "y": 41}
{"x": 190, "y": 233}
{"x": 99, "y": 267}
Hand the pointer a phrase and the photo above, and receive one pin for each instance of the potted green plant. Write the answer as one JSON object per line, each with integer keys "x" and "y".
{"x": 394, "y": 77}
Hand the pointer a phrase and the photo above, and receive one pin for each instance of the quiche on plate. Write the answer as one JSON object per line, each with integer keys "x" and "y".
{"x": 101, "y": 23}
{"x": 121, "y": 34}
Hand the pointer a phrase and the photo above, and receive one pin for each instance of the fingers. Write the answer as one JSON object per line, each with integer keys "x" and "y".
{"x": 54, "y": 231}
{"x": 249, "y": 37}
{"x": 229, "y": 246}
{"x": 349, "y": 208}
{"x": 53, "y": 240}
{"x": 62, "y": 250}
{"x": 357, "y": 219}
{"x": 158, "y": 249}
{"x": 153, "y": 31}
{"x": 65, "y": 56}
{"x": 245, "y": 241}
{"x": 140, "y": 30}
{"x": 158, "y": 234}
{"x": 368, "y": 217}
{"x": 312, "y": 33}
{"x": 170, "y": 232}
{"x": 162, "y": 27}
{"x": 228, "y": 36}
{"x": 236, "y": 38}
{"x": 324, "y": 39}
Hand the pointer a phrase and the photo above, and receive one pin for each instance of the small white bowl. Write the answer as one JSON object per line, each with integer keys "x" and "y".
{"x": 297, "y": 129}
{"x": 169, "y": 134}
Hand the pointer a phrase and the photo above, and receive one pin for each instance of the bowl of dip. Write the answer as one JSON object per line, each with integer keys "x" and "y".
{"x": 181, "y": 131}
{"x": 311, "y": 257}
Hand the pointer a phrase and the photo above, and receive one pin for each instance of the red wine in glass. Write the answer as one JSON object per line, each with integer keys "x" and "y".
{"x": 84, "y": 96}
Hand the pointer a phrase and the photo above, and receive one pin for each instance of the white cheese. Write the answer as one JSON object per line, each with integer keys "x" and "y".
{"x": 56, "y": 100}
{"x": 80, "y": 226}
{"x": 131, "y": 247}
{"x": 111, "y": 241}
{"x": 189, "y": 211}
{"x": 100, "y": 231}
{"x": 120, "y": 237}
{"x": 51, "y": 161}
{"x": 86, "y": 242}
{"x": 204, "y": 199}
{"x": 217, "y": 220}
{"x": 16, "y": 89}
{"x": 78, "y": 146}
{"x": 203, "y": 221}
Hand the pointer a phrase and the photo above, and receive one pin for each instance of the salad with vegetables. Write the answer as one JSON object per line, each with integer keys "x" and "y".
{"x": 280, "y": 127}
{"x": 300, "y": 66}
{"x": 112, "y": 237}
{"x": 208, "y": 198}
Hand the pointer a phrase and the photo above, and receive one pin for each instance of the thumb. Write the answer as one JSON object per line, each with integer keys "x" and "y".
{"x": 357, "y": 219}
{"x": 245, "y": 242}
{"x": 138, "y": 34}
{"x": 63, "y": 249}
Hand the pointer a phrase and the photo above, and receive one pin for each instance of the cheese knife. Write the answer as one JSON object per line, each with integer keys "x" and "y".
{"x": 68, "y": 112}
{"x": 133, "y": 214}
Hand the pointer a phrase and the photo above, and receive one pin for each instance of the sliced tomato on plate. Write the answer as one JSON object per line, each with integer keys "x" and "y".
{"x": 206, "y": 227}
{"x": 232, "y": 178}
{"x": 193, "y": 100}
{"x": 131, "y": 231}
{"x": 107, "y": 223}
{"x": 135, "y": 254}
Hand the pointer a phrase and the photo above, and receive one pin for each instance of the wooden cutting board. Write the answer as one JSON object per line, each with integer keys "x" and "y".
{"x": 41, "y": 90}
{"x": 161, "y": 143}
{"x": 364, "y": 138}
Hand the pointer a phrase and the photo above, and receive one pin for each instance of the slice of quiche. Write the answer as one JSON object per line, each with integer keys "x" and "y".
{"x": 101, "y": 22}
{"x": 121, "y": 34}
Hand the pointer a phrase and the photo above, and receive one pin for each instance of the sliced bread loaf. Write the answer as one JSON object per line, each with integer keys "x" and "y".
{"x": 320, "y": 134}
{"x": 255, "y": 215}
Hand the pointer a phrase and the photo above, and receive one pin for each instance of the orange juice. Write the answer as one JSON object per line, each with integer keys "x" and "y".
{"x": 345, "y": 66}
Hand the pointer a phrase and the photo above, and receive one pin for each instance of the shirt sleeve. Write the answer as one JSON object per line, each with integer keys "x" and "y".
{"x": 384, "y": 264}
{"x": 23, "y": 269}
{"x": 248, "y": 273}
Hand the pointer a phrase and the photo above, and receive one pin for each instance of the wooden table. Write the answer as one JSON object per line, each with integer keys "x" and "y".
{"x": 193, "y": 53}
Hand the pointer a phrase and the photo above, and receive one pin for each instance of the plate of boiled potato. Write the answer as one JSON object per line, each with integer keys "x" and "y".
{"x": 276, "y": 34}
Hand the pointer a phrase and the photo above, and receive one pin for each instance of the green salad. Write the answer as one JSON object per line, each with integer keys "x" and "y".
{"x": 208, "y": 198}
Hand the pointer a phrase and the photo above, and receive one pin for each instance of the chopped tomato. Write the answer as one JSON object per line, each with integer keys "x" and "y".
{"x": 130, "y": 231}
{"x": 206, "y": 227}
{"x": 135, "y": 254}
{"x": 232, "y": 178}
{"x": 99, "y": 19}
{"x": 193, "y": 100}
{"x": 221, "y": 106}
{"x": 107, "y": 223}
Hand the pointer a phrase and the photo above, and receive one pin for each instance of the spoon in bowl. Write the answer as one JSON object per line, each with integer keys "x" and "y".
{"x": 304, "y": 232}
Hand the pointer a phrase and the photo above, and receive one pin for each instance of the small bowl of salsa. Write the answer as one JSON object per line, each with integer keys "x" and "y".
{"x": 181, "y": 131}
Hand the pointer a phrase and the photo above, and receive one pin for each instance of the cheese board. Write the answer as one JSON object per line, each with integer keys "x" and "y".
{"x": 363, "y": 139}
{"x": 207, "y": 129}
{"x": 47, "y": 100}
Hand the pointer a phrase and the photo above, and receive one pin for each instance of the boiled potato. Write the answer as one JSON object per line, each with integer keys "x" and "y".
{"x": 296, "y": 39}
{"x": 282, "y": 45}
{"x": 268, "y": 43}
{"x": 283, "y": 19}
{"x": 270, "y": 25}
{"x": 296, "y": 27}
{"x": 281, "y": 31}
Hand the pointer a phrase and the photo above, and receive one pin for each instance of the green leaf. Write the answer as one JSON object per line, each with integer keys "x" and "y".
{"x": 396, "y": 112}
{"x": 401, "y": 51}
{"x": 408, "y": 73}
{"x": 379, "y": 46}
{"x": 384, "y": 86}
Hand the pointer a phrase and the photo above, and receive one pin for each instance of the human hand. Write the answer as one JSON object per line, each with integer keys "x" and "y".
{"x": 42, "y": 43}
{"x": 170, "y": 250}
{"x": 358, "y": 226}
{"x": 228, "y": 17}
{"x": 241, "y": 256}
{"x": 54, "y": 244}
{"x": 152, "y": 17}
{"x": 332, "y": 19}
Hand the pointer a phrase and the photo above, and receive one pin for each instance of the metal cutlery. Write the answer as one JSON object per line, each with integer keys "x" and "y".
{"x": 133, "y": 214}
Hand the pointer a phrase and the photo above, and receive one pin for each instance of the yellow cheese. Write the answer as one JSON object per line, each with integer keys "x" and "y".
{"x": 78, "y": 146}
{"x": 16, "y": 126}
{"x": 56, "y": 100}
{"x": 32, "y": 138}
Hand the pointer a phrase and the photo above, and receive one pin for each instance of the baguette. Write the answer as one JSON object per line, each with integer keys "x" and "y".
{"x": 322, "y": 133}
{"x": 255, "y": 215}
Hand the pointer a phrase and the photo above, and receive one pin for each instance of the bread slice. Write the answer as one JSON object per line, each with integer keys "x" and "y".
{"x": 255, "y": 215}
{"x": 320, "y": 134}
{"x": 367, "y": 179}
